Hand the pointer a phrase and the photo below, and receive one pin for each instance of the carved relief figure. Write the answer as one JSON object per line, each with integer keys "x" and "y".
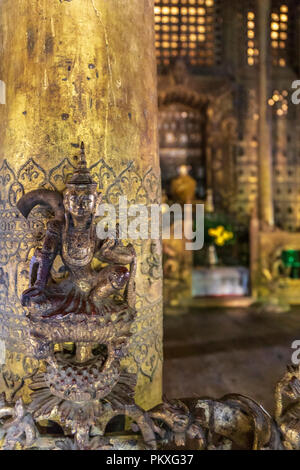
{"x": 72, "y": 235}
{"x": 80, "y": 325}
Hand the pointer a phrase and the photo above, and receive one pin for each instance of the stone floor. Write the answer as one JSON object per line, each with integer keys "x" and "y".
{"x": 215, "y": 352}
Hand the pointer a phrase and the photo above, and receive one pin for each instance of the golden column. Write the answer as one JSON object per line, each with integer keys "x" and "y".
{"x": 77, "y": 70}
{"x": 266, "y": 211}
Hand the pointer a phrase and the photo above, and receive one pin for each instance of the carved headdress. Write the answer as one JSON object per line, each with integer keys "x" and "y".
{"x": 80, "y": 180}
{"x": 81, "y": 177}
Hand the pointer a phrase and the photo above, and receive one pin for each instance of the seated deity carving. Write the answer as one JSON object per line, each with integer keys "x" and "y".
{"x": 71, "y": 233}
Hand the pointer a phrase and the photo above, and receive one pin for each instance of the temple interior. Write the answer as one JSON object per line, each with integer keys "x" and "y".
{"x": 229, "y": 139}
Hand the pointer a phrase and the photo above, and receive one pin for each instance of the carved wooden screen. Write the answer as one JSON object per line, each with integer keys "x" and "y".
{"x": 286, "y": 169}
{"x": 286, "y": 166}
{"x": 281, "y": 32}
{"x": 189, "y": 29}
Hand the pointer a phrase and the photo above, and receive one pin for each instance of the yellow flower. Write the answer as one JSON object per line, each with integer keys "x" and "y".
{"x": 220, "y": 234}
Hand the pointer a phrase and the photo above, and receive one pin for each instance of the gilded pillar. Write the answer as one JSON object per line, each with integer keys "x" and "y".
{"x": 266, "y": 212}
{"x": 77, "y": 70}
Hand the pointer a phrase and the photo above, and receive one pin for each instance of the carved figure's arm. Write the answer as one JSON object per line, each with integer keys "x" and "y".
{"x": 113, "y": 251}
{"x": 42, "y": 262}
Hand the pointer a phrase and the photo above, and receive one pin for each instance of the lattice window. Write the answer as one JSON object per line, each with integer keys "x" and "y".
{"x": 248, "y": 12}
{"x": 252, "y": 44}
{"x": 280, "y": 33}
{"x": 187, "y": 29}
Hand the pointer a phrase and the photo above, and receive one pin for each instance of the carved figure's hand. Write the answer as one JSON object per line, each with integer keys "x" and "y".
{"x": 130, "y": 249}
{"x": 34, "y": 294}
{"x": 117, "y": 253}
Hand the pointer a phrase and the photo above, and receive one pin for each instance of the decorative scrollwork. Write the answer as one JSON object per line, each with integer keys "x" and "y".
{"x": 19, "y": 240}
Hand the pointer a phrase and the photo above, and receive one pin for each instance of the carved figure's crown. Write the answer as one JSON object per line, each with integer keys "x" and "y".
{"x": 82, "y": 175}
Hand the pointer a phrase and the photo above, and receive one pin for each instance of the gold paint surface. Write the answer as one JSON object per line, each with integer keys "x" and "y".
{"x": 79, "y": 70}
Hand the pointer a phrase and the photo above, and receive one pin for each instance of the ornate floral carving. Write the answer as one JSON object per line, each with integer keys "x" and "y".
{"x": 18, "y": 240}
{"x": 87, "y": 386}
{"x": 60, "y": 174}
{"x": 32, "y": 173}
